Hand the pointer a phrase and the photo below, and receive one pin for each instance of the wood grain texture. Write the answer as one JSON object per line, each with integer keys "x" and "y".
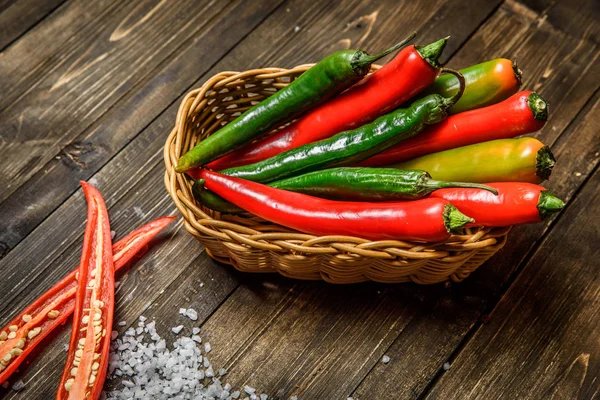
{"x": 121, "y": 49}
{"x": 20, "y": 16}
{"x": 578, "y": 18}
{"x": 542, "y": 339}
{"x": 97, "y": 144}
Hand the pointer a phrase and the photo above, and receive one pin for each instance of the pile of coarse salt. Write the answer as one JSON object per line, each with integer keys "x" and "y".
{"x": 148, "y": 369}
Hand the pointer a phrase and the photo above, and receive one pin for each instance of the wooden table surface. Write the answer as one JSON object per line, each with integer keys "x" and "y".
{"x": 89, "y": 92}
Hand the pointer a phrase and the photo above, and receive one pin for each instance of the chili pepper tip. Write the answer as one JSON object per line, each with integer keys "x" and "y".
{"x": 549, "y": 204}
{"x": 182, "y": 164}
{"x": 454, "y": 220}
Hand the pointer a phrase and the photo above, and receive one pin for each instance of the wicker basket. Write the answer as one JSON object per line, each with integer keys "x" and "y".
{"x": 251, "y": 244}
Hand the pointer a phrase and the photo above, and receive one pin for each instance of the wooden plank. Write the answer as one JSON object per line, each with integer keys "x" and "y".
{"x": 57, "y": 180}
{"x": 36, "y": 54}
{"x": 542, "y": 339}
{"x": 579, "y": 18}
{"x": 20, "y": 16}
{"x": 122, "y": 48}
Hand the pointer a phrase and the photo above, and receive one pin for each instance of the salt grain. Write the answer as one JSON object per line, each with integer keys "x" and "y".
{"x": 195, "y": 331}
{"x": 138, "y": 211}
{"x": 385, "y": 359}
{"x": 207, "y": 347}
{"x": 113, "y": 234}
{"x": 177, "y": 329}
{"x": 447, "y": 366}
{"x": 19, "y": 385}
{"x": 122, "y": 323}
{"x": 191, "y": 314}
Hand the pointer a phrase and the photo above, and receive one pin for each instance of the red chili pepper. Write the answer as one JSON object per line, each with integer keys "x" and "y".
{"x": 87, "y": 359}
{"x": 522, "y": 113}
{"x": 516, "y": 203}
{"x": 396, "y": 82}
{"x": 427, "y": 220}
{"x": 52, "y": 309}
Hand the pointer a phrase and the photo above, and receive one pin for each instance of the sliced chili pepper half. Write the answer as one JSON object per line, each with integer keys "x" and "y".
{"x": 51, "y": 309}
{"x": 87, "y": 359}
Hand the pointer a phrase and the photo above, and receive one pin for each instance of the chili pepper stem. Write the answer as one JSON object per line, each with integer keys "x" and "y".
{"x": 544, "y": 162}
{"x": 538, "y": 106}
{"x": 549, "y": 204}
{"x": 450, "y": 101}
{"x": 363, "y": 60}
{"x": 454, "y": 220}
{"x": 431, "y": 53}
{"x": 434, "y": 185}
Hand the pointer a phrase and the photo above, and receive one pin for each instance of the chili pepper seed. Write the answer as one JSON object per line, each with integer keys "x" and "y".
{"x": 34, "y": 332}
{"x": 69, "y": 384}
{"x": 53, "y": 314}
{"x": 16, "y": 352}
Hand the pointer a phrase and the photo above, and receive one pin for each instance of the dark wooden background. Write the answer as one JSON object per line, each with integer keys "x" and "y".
{"x": 90, "y": 90}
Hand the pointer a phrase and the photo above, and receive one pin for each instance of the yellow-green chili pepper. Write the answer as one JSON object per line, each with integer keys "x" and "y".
{"x": 505, "y": 160}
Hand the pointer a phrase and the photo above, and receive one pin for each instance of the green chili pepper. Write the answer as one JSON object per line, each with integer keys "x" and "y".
{"x": 350, "y": 183}
{"x": 350, "y": 147}
{"x": 487, "y": 83}
{"x": 212, "y": 200}
{"x": 505, "y": 160}
{"x": 369, "y": 184}
{"x": 330, "y": 76}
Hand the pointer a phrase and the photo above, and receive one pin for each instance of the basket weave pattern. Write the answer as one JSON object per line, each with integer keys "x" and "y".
{"x": 251, "y": 244}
